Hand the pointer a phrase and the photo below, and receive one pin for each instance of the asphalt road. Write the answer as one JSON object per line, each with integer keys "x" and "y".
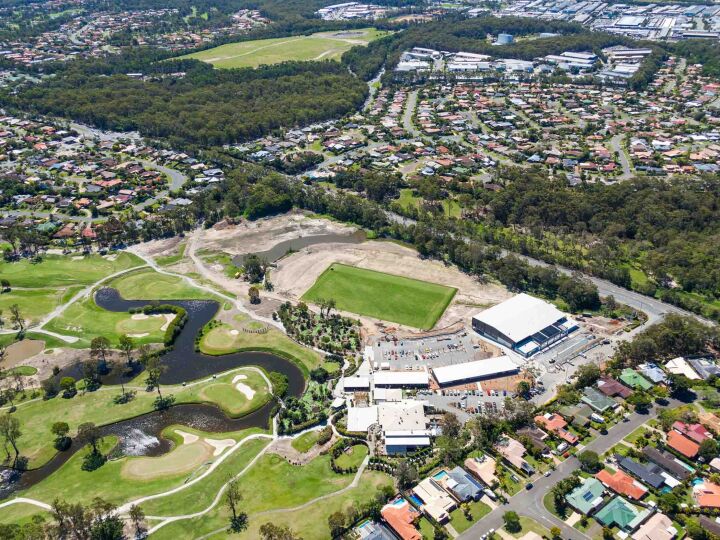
{"x": 530, "y": 502}
{"x": 409, "y": 111}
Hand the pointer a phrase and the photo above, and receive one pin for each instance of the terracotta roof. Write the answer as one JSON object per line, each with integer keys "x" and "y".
{"x": 707, "y": 495}
{"x": 682, "y": 444}
{"x": 622, "y": 483}
{"x": 401, "y": 518}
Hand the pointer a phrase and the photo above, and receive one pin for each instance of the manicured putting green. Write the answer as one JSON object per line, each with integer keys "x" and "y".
{"x": 320, "y": 46}
{"x": 384, "y": 296}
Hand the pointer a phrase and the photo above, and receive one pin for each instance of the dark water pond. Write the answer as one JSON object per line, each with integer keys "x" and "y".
{"x": 141, "y": 435}
{"x": 296, "y": 244}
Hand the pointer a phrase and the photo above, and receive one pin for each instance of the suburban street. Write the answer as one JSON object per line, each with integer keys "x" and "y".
{"x": 530, "y": 502}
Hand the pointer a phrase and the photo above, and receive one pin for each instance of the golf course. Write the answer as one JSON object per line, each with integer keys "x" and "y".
{"x": 388, "y": 297}
{"x": 320, "y": 46}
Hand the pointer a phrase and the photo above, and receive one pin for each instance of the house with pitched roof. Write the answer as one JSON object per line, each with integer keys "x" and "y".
{"x": 658, "y": 527}
{"x": 668, "y": 462}
{"x": 587, "y": 497}
{"x": 707, "y": 495}
{"x": 632, "y": 379}
{"x": 696, "y": 432}
{"x": 649, "y": 473}
{"x": 611, "y": 388}
{"x": 622, "y": 484}
{"x": 402, "y": 516}
{"x": 620, "y": 513}
{"x": 597, "y": 401}
{"x": 556, "y": 424}
{"x": 681, "y": 444}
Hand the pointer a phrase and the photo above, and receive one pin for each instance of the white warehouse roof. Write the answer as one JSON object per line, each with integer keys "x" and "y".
{"x": 400, "y": 378}
{"x": 478, "y": 369}
{"x": 521, "y": 316}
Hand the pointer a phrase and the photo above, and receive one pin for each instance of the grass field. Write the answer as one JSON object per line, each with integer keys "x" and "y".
{"x": 320, "y": 46}
{"x": 37, "y": 417}
{"x": 222, "y": 340}
{"x": 353, "y": 457}
{"x": 63, "y": 271}
{"x": 146, "y": 284}
{"x": 305, "y": 442}
{"x": 384, "y": 296}
{"x": 111, "y": 482}
{"x": 283, "y": 486}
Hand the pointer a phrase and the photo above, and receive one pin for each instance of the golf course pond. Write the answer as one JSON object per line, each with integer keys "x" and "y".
{"x": 141, "y": 435}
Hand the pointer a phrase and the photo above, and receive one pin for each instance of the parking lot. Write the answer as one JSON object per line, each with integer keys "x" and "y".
{"x": 437, "y": 351}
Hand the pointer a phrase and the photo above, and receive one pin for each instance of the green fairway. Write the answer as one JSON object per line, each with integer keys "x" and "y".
{"x": 37, "y": 417}
{"x": 384, "y": 296}
{"x": 35, "y": 303}
{"x": 62, "y": 271}
{"x": 110, "y": 482}
{"x": 147, "y": 284}
{"x": 320, "y": 46}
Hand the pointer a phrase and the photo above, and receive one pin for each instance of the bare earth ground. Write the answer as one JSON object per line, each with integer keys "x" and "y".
{"x": 296, "y": 273}
{"x": 283, "y": 447}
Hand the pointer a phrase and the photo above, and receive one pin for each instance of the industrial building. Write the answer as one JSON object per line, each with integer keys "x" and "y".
{"x": 478, "y": 370}
{"x": 524, "y": 324}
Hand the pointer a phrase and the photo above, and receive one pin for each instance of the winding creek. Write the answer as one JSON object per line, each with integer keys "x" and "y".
{"x": 184, "y": 364}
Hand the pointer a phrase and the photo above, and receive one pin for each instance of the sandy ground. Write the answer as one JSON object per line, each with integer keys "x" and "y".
{"x": 296, "y": 273}
{"x": 188, "y": 438}
{"x": 243, "y": 388}
{"x": 220, "y": 445}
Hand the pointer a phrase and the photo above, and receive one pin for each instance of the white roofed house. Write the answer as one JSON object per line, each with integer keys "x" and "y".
{"x": 524, "y": 323}
{"x": 436, "y": 502}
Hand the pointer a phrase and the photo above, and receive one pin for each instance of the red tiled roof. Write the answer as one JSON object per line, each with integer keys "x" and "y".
{"x": 401, "y": 519}
{"x": 696, "y": 432}
{"x": 622, "y": 483}
{"x": 682, "y": 444}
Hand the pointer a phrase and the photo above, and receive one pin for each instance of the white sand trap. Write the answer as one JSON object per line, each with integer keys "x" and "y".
{"x": 188, "y": 438}
{"x": 78, "y": 258}
{"x": 242, "y": 387}
{"x": 139, "y": 317}
{"x": 139, "y": 335}
{"x": 234, "y": 332}
{"x": 220, "y": 445}
{"x": 168, "y": 319}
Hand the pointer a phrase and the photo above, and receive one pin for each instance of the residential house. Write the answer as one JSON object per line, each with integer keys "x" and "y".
{"x": 483, "y": 467}
{"x": 587, "y": 497}
{"x": 513, "y": 451}
{"x": 633, "y": 379}
{"x": 537, "y": 437}
{"x": 696, "y": 432}
{"x": 666, "y": 460}
{"x": 460, "y": 484}
{"x": 402, "y": 516}
{"x": 710, "y": 524}
{"x": 622, "y": 484}
{"x": 704, "y": 367}
{"x": 707, "y": 495}
{"x": 436, "y": 502}
{"x": 579, "y": 415}
{"x": 653, "y": 373}
{"x": 371, "y": 530}
{"x": 679, "y": 366}
{"x": 556, "y": 424}
{"x": 598, "y": 401}
{"x": 649, "y": 473}
{"x": 620, "y": 513}
{"x": 611, "y": 388}
{"x": 710, "y": 420}
{"x": 658, "y": 527}
{"x": 681, "y": 444}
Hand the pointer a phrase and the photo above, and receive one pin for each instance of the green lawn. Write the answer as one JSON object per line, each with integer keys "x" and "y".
{"x": 308, "y": 522}
{"x": 62, "y": 271}
{"x": 384, "y": 296}
{"x": 37, "y": 417}
{"x": 305, "y": 442}
{"x": 528, "y": 525}
{"x": 147, "y": 284}
{"x": 408, "y": 199}
{"x": 222, "y": 340}
{"x": 353, "y": 457}
{"x": 478, "y": 510}
{"x": 320, "y": 46}
{"x": 35, "y": 303}
{"x": 109, "y": 482}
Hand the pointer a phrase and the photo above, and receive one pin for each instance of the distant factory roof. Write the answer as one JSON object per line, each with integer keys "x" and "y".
{"x": 479, "y": 369}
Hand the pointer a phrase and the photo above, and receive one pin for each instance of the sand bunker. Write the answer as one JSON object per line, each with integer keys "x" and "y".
{"x": 242, "y": 387}
{"x": 168, "y": 319}
{"x": 22, "y": 350}
{"x": 188, "y": 438}
{"x": 220, "y": 445}
{"x": 139, "y": 335}
{"x": 234, "y": 332}
{"x": 139, "y": 317}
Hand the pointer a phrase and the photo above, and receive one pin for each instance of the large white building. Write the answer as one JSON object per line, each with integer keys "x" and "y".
{"x": 478, "y": 370}
{"x": 524, "y": 324}
{"x": 404, "y": 425}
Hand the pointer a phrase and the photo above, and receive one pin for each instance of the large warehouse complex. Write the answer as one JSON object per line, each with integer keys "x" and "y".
{"x": 474, "y": 371}
{"x": 524, "y": 324}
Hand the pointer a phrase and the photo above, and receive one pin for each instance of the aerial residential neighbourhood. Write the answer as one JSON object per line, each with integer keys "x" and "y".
{"x": 389, "y": 270}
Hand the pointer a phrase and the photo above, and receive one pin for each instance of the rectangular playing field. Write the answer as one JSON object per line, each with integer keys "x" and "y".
{"x": 320, "y": 46}
{"x": 383, "y": 296}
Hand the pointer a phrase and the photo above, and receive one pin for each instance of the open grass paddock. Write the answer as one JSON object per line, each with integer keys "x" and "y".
{"x": 320, "y": 46}
{"x": 383, "y": 296}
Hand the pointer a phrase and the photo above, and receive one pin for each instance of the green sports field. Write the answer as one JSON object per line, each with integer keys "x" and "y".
{"x": 384, "y": 296}
{"x": 320, "y": 46}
